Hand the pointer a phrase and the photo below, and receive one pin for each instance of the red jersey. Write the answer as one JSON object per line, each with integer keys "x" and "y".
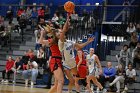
{"x": 9, "y": 64}
{"x": 82, "y": 69}
{"x": 54, "y": 49}
{"x": 83, "y": 59}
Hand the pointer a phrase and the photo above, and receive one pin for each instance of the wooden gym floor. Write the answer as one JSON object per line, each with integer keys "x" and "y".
{"x": 20, "y": 89}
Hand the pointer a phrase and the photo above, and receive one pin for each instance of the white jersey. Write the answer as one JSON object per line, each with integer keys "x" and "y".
{"x": 67, "y": 50}
{"x": 91, "y": 62}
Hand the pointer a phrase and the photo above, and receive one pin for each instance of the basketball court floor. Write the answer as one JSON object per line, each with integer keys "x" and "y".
{"x": 10, "y": 88}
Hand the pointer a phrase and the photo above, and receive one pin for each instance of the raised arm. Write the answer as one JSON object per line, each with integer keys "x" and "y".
{"x": 42, "y": 40}
{"x": 80, "y": 46}
{"x": 64, "y": 30}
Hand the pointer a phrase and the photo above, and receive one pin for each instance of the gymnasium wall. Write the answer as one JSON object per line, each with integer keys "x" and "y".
{"x": 52, "y": 3}
{"x": 3, "y": 9}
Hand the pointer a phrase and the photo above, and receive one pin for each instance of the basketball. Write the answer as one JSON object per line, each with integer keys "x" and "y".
{"x": 69, "y": 7}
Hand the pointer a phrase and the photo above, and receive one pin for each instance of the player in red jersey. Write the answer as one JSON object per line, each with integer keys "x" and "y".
{"x": 82, "y": 71}
{"x": 55, "y": 62}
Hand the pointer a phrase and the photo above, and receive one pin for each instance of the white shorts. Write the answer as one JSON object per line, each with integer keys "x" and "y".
{"x": 69, "y": 64}
{"x": 94, "y": 72}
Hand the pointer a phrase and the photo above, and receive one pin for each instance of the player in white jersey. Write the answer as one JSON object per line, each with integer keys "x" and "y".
{"x": 92, "y": 60}
{"x": 67, "y": 48}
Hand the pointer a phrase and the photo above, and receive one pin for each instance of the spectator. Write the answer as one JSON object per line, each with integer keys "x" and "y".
{"x": 10, "y": 26}
{"x": 109, "y": 73}
{"x": 134, "y": 40}
{"x": 1, "y": 20}
{"x": 74, "y": 20}
{"x": 41, "y": 12}
{"x": 9, "y": 14}
{"x": 8, "y": 70}
{"x": 42, "y": 21}
{"x": 20, "y": 12}
{"x": 5, "y": 36}
{"x": 124, "y": 56}
{"x": 34, "y": 16}
{"x": 41, "y": 57}
{"x": 17, "y": 68}
{"x": 47, "y": 12}
{"x": 131, "y": 28}
{"x": 32, "y": 71}
{"x": 24, "y": 61}
{"x": 37, "y": 36}
{"x": 136, "y": 55}
{"x": 138, "y": 28}
{"x": 120, "y": 77}
{"x": 55, "y": 18}
{"x": 22, "y": 22}
{"x": 30, "y": 53}
{"x": 1, "y": 28}
{"x": 28, "y": 12}
{"x": 130, "y": 77}
{"x": 61, "y": 20}
{"x": 138, "y": 31}
{"x": 34, "y": 13}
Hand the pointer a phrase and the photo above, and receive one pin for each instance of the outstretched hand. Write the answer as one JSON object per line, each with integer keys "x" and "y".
{"x": 91, "y": 39}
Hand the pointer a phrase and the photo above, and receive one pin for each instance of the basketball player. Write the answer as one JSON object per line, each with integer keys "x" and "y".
{"x": 67, "y": 48}
{"x": 92, "y": 60}
{"x": 82, "y": 71}
{"x": 55, "y": 61}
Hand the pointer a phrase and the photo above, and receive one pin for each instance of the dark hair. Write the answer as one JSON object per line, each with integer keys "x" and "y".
{"x": 130, "y": 64}
{"x": 56, "y": 26}
{"x": 125, "y": 46}
{"x": 33, "y": 59}
{"x": 41, "y": 48}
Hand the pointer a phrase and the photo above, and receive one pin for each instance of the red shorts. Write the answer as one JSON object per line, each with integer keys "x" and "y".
{"x": 55, "y": 63}
{"x": 82, "y": 71}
